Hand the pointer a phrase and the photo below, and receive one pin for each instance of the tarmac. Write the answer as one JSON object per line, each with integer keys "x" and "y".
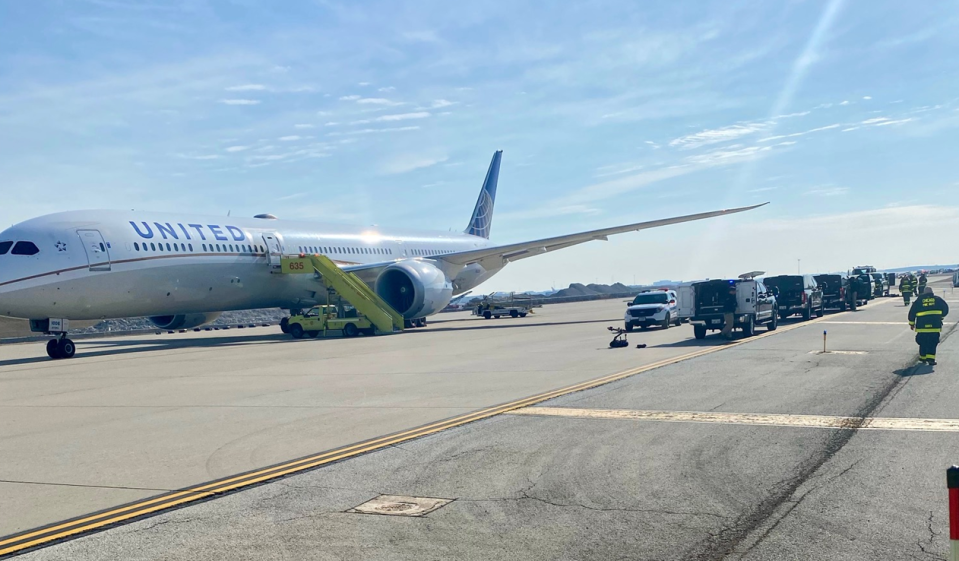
{"x": 765, "y": 448}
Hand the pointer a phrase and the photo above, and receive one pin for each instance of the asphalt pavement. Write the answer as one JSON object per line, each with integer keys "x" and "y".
{"x": 763, "y": 449}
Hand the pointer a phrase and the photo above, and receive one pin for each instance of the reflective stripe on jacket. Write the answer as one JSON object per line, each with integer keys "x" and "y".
{"x": 927, "y": 312}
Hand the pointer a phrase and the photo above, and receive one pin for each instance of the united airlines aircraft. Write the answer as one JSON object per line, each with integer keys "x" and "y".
{"x": 182, "y": 271}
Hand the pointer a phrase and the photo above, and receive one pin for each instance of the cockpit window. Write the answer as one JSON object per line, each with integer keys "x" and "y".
{"x": 5, "y": 247}
{"x": 25, "y": 248}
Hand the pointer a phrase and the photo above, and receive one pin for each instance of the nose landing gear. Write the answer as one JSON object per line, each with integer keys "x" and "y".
{"x": 61, "y": 348}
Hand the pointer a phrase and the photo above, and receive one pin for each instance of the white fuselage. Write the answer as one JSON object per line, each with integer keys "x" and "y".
{"x": 154, "y": 264}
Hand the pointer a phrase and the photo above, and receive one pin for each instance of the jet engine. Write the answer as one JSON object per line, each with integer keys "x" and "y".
{"x": 183, "y": 321}
{"x": 413, "y": 288}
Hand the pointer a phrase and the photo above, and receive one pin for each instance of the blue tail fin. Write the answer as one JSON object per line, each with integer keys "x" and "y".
{"x": 483, "y": 213}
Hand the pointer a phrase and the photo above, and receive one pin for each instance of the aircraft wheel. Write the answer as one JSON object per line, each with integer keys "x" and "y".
{"x": 66, "y": 348}
{"x": 52, "y": 350}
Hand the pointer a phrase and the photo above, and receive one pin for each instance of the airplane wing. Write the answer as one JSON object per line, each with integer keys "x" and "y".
{"x": 497, "y": 256}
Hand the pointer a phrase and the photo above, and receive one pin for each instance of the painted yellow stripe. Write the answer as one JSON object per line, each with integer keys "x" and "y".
{"x": 68, "y": 528}
{"x": 772, "y": 420}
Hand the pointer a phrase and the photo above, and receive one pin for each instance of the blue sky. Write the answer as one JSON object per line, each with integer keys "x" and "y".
{"x": 843, "y": 114}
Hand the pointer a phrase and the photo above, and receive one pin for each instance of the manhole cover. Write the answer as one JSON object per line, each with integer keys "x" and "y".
{"x": 398, "y": 505}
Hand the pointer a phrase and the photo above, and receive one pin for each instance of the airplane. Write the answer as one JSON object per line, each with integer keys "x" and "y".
{"x": 182, "y": 271}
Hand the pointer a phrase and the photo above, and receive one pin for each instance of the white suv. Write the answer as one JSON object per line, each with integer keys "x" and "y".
{"x": 653, "y": 307}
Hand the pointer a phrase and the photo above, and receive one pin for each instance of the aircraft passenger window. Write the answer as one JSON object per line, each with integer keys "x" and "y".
{"x": 191, "y": 247}
{"x": 136, "y": 246}
{"x": 25, "y": 248}
{"x": 153, "y": 247}
{"x": 168, "y": 247}
{"x": 218, "y": 247}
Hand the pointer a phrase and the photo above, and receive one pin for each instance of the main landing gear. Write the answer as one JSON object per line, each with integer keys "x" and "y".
{"x": 61, "y": 348}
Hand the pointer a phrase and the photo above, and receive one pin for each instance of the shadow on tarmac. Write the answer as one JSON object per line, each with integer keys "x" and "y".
{"x": 102, "y": 348}
{"x": 114, "y": 348}
{"x": 917, "y": 370}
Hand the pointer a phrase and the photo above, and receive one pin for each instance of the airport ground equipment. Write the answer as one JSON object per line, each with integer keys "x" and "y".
{"x": 755, "y": 305}
{"x": 880, "y": 284}
{"x": 619, "y": 339}
{"x": 348, "y": 287}
{"x": 833, "y": 288}
{"x": 513, "y": 306}
{"x": 654, "y": 307}
{"x": 323, "y": 319}
{"x": 796, "y": 294}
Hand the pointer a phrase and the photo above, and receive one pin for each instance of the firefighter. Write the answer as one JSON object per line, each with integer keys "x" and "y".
{"x": 729, "y": 312}
{"x": 906, "y": 288}
{"x": 922, "y": 283}
{"x": 925, "y": 318}
{"x": 852, "y": 293}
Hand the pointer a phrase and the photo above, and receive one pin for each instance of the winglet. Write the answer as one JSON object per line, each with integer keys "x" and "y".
{"x": 483, "y": 211}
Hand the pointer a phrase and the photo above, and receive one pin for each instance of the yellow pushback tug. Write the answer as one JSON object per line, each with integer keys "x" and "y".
{"x": 373, "y": 314}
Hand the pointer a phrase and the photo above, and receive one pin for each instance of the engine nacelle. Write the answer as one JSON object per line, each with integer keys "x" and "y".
{"x": 414, "y": 288}
{"x": 183, "y": 321}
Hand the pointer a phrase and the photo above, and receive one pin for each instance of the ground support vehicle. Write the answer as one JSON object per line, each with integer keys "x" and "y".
{"x": 373, "y": 314}
{"x": 833, "y": 289}
{"x": 880, "y": 285}
{"x": 755, "y": 305}
{"x": 659, "y": 308}
{"x": 512, "y": 306}
{"x": 892, "y": 281}
{"x": 796, "y": 294}
{"x": 323, "y": 319}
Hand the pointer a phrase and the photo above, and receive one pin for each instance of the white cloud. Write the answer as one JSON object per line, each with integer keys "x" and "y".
{"x": 899, "y": 122}
{"x": 439, "y": 103}
{"x": 200, "y": 157}
{"x": 377, "y": 101}
{"x": 786, "y": 143}
{"x": 240, "y": 101}
{"x": 844, "y": 102}
{"x": 867, "y": 97}
{"x": 303, "y": 126}
{"x": 396, "y": 117}
{"x": 363, "y": 84}
{"x": 617, "y": 169}
{"x": 373, "y": 131}
{"x": 349, "y": 98}
{"x": 238, "y": 148}
{"x": 827, "y": 191}
{"x": 246, "y": 88}
{"x": 409, "y": 162}
{"x": 850, "y": 129}
{"x": 795, "y": 134}
{"x": 875, "y": 121}
{"x": 323, "y": 113}
{"x": 289, "y": 138}
{"x": 713, "y": 136}
{"x": 330, "y": 124}
{"x": 386, "y": 89}
{"x": 733, "y": 154}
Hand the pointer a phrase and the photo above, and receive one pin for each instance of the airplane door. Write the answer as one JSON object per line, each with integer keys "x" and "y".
{"x": 274, "y": 251}
{"x": 98, "y": 254}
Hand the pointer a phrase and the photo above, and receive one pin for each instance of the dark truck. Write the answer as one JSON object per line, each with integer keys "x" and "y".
{"x": 755, "y": 305}
{"x": 796, "y": 294}
{"x": 833, "y": 291}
